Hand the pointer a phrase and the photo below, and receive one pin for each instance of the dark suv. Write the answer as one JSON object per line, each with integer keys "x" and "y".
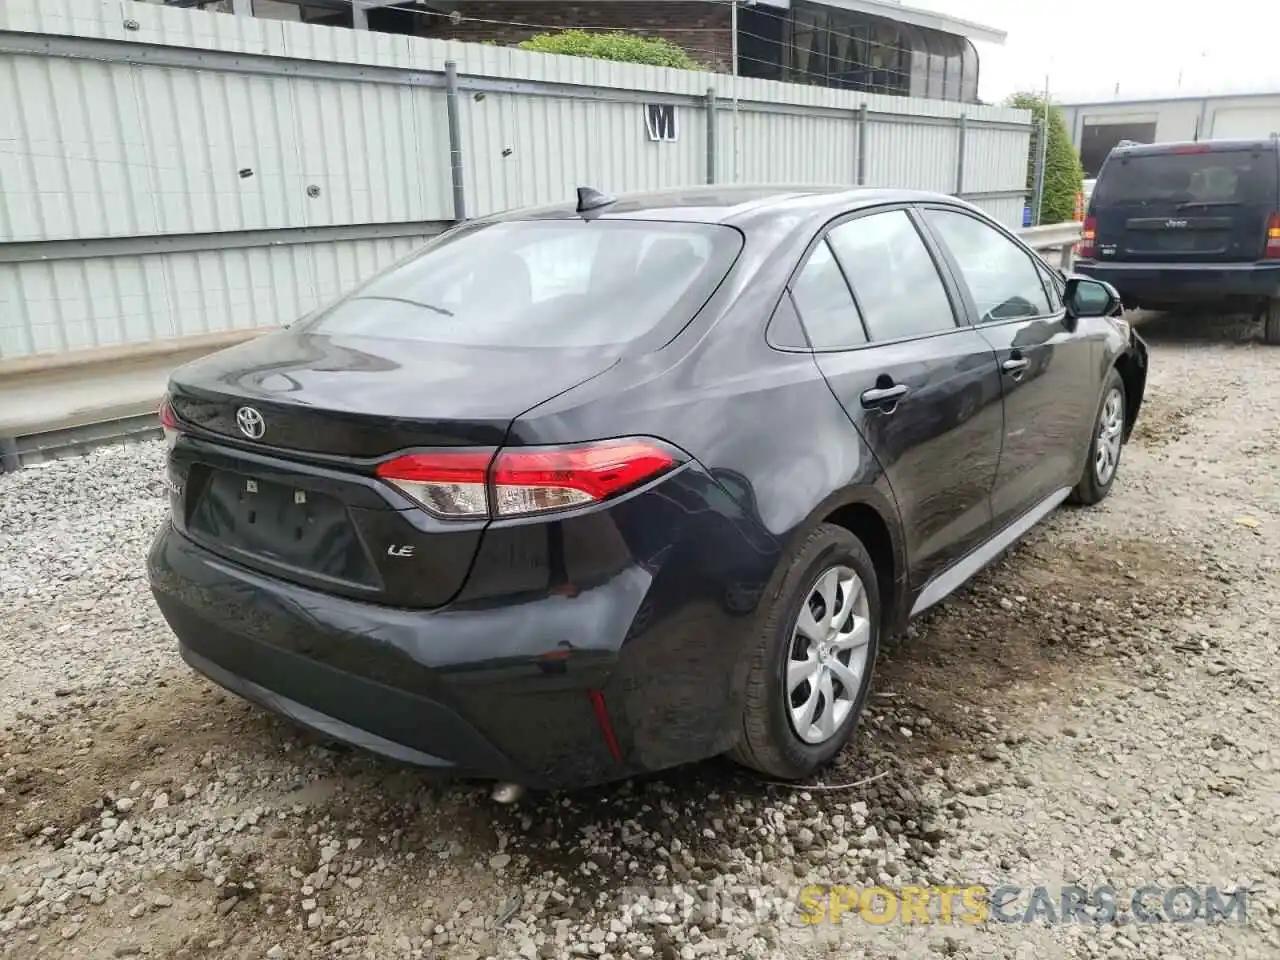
{"x": 1189, "y": 224}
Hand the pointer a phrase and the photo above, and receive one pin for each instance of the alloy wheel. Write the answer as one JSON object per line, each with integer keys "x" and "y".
{"x": 827, "y": 659}
{"x": 1110, "y": 435}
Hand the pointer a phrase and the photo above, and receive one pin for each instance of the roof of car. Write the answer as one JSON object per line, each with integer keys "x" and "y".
{"x": 730, "y": 204}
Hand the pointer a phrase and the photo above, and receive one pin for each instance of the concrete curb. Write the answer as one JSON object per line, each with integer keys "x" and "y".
{"x": 76, "y": 359}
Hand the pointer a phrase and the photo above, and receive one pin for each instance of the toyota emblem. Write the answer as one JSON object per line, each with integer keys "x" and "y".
{"x": 251, "y": 423}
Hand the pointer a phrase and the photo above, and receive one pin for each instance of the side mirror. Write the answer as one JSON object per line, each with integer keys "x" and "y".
{"x": 1085, "y": 297}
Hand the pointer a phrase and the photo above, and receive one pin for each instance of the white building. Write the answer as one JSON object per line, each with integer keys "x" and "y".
{"x": 1096, "y": 127}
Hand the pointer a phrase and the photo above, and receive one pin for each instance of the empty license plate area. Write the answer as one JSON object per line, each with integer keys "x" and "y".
{"x": 1182, "y": 241}
{"x": 1177, "y": 241}
{"x": 282, "y": 524}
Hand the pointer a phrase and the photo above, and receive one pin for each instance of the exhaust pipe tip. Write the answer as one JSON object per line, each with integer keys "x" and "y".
{"x": 507, "y": 793}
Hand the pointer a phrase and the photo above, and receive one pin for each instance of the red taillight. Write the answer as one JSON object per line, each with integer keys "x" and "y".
{"x": 1191, "y": 148}
{"x": 474, "y": 484}
{"x": 530, "y": 481}
{"x": 1088, "y": 238}
{"x": 168, "y": 423}
{"x": 449, "y": 483}
{"x": 1273, "y": 237}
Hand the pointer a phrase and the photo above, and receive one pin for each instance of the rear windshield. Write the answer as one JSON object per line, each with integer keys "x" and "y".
{"x": 542, "y": 283}
{"x": 1223, "y": 176}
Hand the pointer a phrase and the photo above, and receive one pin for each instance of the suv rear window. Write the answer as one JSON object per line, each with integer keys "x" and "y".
{"x": 1219, "y": 176}
{"x": 542, "y": 283}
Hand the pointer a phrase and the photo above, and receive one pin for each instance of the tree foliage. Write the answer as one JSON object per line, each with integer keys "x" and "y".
{"x": 626, "y": 47}
{"x": 1063, "y": 174}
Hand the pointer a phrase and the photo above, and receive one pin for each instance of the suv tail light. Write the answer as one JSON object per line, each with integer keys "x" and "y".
{"x": 1088, "y": 238}
{"x": 1273, "y": 237}
{"x": 476, "y": 484}
{"x": 168, "y": 423}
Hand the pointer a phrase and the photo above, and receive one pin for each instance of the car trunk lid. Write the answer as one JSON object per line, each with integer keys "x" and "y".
{"x": 300, "y": 499}
{"x": 366, "y": 397}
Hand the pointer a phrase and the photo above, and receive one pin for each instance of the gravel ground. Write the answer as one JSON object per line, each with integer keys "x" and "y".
{"x": 1099, "y": 707}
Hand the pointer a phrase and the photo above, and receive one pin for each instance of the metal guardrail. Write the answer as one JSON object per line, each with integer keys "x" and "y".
{"x": 1051, "y": 235}
{"x": 61, "y": 439}
{"x": 1060, "y": 237}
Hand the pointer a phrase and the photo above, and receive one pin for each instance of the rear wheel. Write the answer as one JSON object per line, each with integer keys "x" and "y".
{"x": 1106, "y": 443}
{"x": 812, "y": 664}
{"x": 1271, "y": 322}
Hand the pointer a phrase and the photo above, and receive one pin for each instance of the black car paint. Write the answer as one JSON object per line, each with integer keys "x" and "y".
{"x": 650, "y": 599}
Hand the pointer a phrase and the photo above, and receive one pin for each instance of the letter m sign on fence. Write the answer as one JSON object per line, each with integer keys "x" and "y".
{"x": 661, "y": 122}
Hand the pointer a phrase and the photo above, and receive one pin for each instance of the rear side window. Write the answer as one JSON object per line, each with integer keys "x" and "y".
{"x": 1218, "y": 176}
{"x": 893, "y": 276}
{"x": 825, "y": 304}
{"x": 542, "y": 283}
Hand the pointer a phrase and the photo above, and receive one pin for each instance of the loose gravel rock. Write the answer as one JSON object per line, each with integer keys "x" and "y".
{"x": 1097, "y": 707}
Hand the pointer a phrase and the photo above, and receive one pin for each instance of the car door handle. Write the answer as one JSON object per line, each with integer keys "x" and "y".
{"x": 883, "y": 396}
{"x": 1014, "y": 365}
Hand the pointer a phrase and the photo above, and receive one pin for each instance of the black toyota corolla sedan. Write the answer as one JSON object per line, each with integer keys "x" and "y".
{"x": 578, "y": 492}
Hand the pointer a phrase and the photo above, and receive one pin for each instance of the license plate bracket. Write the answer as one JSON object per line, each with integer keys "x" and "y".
{"x": 280, "y": 523}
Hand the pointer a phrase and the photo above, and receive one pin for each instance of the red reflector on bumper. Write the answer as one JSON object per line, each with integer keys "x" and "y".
{"x": 606, "y": 726}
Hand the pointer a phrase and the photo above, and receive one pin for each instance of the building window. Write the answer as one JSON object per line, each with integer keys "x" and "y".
{"x": 763, "y": 43}
{"x": 937, "y": 72}
{"x": 918, "y": 84}
{"x": 806, "y": 33}
{"x": 969, "y": 72}
{"x": 891, "y": 71}
{"x": 829, "y": 46}
{"x": 951, "y": 81}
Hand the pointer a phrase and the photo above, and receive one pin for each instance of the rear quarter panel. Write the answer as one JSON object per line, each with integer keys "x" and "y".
{"x": 778, "y": 454}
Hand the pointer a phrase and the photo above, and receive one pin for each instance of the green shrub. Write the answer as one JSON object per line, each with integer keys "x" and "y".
{"x": 612, "y": 46}
{"x": 1062, "y": 171}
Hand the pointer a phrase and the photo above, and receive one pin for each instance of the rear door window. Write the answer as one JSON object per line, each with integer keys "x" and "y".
{"x": 894, "y": 278}
{"x": 1200, "y": 178}
{"x": 542, "y": 283}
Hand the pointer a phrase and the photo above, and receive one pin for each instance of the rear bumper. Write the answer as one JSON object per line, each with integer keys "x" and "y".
{"x": 638, "y": 670}
{"x": 1173, "y": 283}
{"x": 448, "y": 727}
{"x": 463, "y": 695}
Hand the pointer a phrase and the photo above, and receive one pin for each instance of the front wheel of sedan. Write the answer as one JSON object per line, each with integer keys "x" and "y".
{"x": 811, "y": 667}
{"x": 1105, "y": 445}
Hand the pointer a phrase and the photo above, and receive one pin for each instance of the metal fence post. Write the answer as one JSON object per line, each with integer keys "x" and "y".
{"x": 242, "y": 8}
{"x": 711, "y": 134}
{"x": 9, "y": 459}
{"x": 1037, "y": 194}
{"x": 359, "y": 16}
{"x": 962, "y": 139}
{"x": 455, "y": 139}
{"x": 862, "y": 145}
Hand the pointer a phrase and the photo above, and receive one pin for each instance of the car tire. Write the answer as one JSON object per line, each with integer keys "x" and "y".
{"x": 1271, "y": 322}
{"x": 771, "y": 740}
{"x": 1105, "y": 445}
